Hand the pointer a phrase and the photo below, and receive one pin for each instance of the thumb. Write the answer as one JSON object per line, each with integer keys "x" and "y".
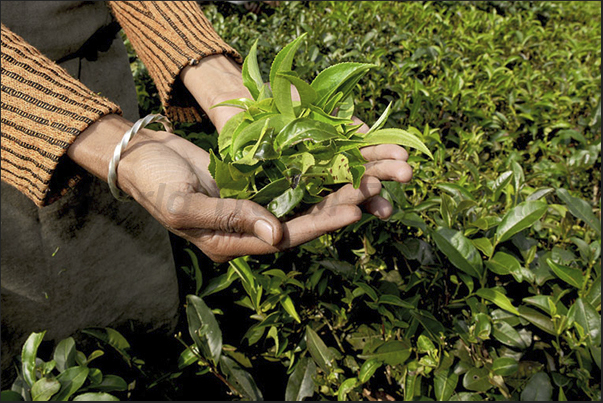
{"x": 231, "y": 215}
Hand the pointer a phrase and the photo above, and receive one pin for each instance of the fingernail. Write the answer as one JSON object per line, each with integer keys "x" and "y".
{"x": 264, "y": 231}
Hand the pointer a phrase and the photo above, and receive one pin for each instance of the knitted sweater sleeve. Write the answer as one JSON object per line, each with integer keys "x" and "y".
{"x": 43, "y": 111}
{"x": 168, "y": 36}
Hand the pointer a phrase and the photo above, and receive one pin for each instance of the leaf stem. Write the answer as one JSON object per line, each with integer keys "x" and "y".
{"x": 582, "y": 292}
{"x": 332, "y": 331}
{"x": 212, "y": 368}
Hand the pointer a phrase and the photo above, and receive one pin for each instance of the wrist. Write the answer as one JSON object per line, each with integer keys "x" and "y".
{"x": 215, "y": 79}
{"x": 93, "y": 148}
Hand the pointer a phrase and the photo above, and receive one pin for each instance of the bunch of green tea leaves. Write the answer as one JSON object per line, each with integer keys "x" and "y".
{"x": 280, "y": 152}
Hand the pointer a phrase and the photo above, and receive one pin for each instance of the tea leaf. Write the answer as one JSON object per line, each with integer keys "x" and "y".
{"x": 580, "y": 209}
{"x": 318, "y": 114}
{"x": 497, "y": 298}
{"x": 536, "y": 318}
{"x": 271, "y": 191}
{"x": 111, "y": 383}
{"x": 392, "y": 352}
{"x": 64, "y": 354}
{"x": 501, "y": 183}
{"x": 264, "y": 141}
{"x": 252, "y": 78}
{"x": 476, "y": 379}
{"x": 307, "y": 94}
{"x": 222, "y": 174}
{"x": 301, "y": 382}
{"x": 241, "y": 379}
{"x": 393, "y": 300}
{"x": 318, "y": 350}
{"x": 71, "y": 381}
{"x": 582, "y": 313}
{"x": 28, "y": 357}
{"x": 289, "y": 307}
{"x": 234, "y": 124}
{"x": 112, "y": 337}
{"x": 444, "y": 384}
{"x": 484, "y": 245}
{"x": 506, "y": 334}
{"x": 593, "y": 296}
{"x": 249, "y": 134}
{"x": 300, "y": 163}
{"x": 95, "y": 397}
{"x": 573, "y": 277}
{"x": 395, "y": 136}
{"x": 243, "y": 103}
{"x": 368, "y": 369}
{"x": 336, "y": 171}
{"x": 519, "y": 218}
{"x": 424, "y": 345}
{"x": 540, "y": 193}
{"x": 253, "y": 289}
{"x": 357, "y": 173}
{"x": 204, "y": 328}
{"x": 382, "y": 119}
{"x": 304, "y": 129}
{"x": 459, "y": 250}
{"x": 10, "y": 396}
{"x": 286, "y": 201}
{"x": 538, "y": 389}
{"x": 345, "y": 387}
{"x": 338, "y": 78}
{"x": 503, "y": 263}
{"x": 504, "y": 366}
{"x": 44, "y": 389}
{"x": 545, "y": 303}
{"x": 346, "y": 108}
{"x": 281, "y": 89}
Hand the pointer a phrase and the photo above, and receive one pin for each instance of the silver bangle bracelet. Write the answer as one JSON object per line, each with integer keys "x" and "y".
{"x": 140, "y": 124}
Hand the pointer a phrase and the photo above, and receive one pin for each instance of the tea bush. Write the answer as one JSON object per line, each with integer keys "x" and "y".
{"x": 485, "y": 284}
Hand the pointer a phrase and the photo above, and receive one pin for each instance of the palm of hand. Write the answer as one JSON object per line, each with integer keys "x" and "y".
{"x": 173, "y": 183}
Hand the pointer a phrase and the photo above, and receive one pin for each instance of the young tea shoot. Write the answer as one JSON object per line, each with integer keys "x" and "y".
{"x": 280, "y": 152}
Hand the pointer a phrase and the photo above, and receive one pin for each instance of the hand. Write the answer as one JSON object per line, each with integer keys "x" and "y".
{"x": 386, "y": 162}
{"x": 169, "y": 177}
{"x": 185, "y": 199}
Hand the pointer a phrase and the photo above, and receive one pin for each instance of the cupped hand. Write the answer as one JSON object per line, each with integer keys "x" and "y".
{"x": 226, "y": 228}
{"x": 169, "y": 177}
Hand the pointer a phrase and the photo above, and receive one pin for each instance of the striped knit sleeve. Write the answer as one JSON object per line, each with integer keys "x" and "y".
{"x": 43, "y": 111}
{"x": 167, "y": 36}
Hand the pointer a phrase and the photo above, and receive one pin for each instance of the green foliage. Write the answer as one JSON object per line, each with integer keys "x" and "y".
{"x": 281, "y": 152}
{"x": 492, "y": 254}
{"x": 68, "y": 375}
{"x": 485, "y": 283}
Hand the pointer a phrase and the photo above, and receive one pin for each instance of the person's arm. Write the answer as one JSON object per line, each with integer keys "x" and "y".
{"x": 169, "y": 177}
{"x": 193, "y": 70}
{"x": 186, "y": 72}
{"x": 168, "y": 36}
{"x": 44, "y": 110}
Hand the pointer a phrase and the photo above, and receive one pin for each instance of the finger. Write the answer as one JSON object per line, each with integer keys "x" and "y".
{"x": 384, "y": 152}
{"x": 295, "y": 97}
{"x": 390, "y": 170}
{"x": 221, "y": 247}
{"x": 364, "y": 128}
{"x": 369, "y": 187}
{"x": 197, "y": 211}
{"x": 379, "y": 207}
{"x": 336, "y": 211}
{"x": 310, "y": 226}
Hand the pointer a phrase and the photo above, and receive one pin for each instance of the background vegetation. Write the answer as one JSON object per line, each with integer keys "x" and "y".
{"x": 485, "y": 284}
